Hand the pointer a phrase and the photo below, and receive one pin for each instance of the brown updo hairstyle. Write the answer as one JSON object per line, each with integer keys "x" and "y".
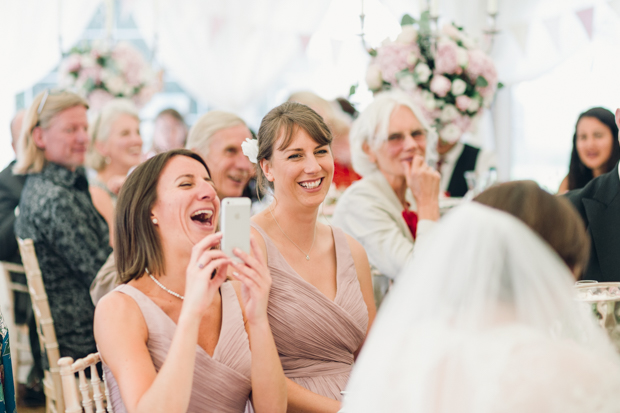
{"x": 553, "y": 218}
{"x": 136, "y": 241}
{"x": 284, "y": 121}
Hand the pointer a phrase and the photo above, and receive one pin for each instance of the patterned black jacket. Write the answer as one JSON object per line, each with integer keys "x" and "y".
{"x": 71, "y": 240}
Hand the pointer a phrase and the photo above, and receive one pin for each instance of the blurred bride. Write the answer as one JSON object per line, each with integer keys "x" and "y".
{"x": 492, "y": 329}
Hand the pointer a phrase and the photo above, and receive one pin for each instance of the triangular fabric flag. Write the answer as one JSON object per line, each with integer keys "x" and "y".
{"x": 217, "y": 23}
{"x": 553, "y": 28}
{"x": 586, "y": 17}
{"x": 615, "y": 5}
{"x": 304, "y": 39}
{"x": 336, "y": 46}
{"x": 520, "y": 32}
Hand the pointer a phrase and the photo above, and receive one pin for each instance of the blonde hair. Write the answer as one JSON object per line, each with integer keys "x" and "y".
{"x": 200, "y": 134}
{"x": 371, "y": 127}
{"x": 31, "y": 158}
{"x": 100, "y": 129}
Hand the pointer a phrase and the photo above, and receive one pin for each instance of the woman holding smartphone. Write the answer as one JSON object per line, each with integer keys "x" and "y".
{"x": 175, "y": 336}
{"x": 321, "y": 303}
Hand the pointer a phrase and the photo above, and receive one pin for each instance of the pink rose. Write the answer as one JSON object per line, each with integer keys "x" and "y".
{"x": 440, "y": 85}
{"x": 463, "y": 102}
{"x": 392, "y": 58}
{"x": 447, "y": 59}
{"x": 98, "y": 98}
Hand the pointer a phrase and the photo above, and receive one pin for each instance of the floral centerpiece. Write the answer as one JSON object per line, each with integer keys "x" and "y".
{"x": 101, "y": 73}
{"x": 449, "y": 77}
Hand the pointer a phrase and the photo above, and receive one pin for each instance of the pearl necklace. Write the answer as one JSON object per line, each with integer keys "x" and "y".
{"x": 169, "y": 291}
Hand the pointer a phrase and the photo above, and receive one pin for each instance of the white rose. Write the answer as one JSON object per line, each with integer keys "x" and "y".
{"x": 406, "y": 82}
{"x": 250, "y": 149}
{"x": 429, "y": 100}
{"x": 412, "y": 59}
{"x": 451, "y": 31}
{"x": 458, "y": 87}
{"x": 462, "y": 57}
{"x": 450, "y": 133}
{"x": 115, "y": 85}
{"x": 373, "y": 77}
{"x": 422, "y": 72}
{"x": 449, "y": 113}
{"x": 474, "y": 105}
{"x": 408, "y": 35}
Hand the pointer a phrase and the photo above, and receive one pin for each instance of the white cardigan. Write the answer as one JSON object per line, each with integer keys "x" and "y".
{"x": 370, "y": 212}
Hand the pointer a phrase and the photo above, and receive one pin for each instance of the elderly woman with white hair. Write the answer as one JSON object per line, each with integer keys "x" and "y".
{"x": 217, "y": 136}
{"x": 398, "y": 196}
{"x": 116, "y": 147}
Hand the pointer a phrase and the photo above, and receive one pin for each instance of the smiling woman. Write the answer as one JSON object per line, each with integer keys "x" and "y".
{"x": 171, "y": 337}
{"x": 116, "y": 147}
{"x": 321, "y": 305}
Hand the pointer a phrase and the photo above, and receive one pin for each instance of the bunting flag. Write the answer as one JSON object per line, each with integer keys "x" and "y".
{"x": 520, "y": 32}
{"x": 217, "y": 23}
{"x": 304, "y": 39}
{"x": 586, "y": 17}
{"x": 336, "y": 46}
{"x": 552, "y": 25}
{"x": 615, "y": 5}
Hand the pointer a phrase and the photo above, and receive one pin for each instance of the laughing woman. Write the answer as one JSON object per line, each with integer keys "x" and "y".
{"x": 172, "y": 338}
{"x": 321, "y": 303}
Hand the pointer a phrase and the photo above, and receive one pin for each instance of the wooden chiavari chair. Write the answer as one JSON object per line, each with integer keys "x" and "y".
{"x": 68, "y": 369}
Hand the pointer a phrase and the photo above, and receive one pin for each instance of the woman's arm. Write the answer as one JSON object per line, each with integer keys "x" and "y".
{"x": 126, "y": 353}
{"x": 103, "y": 204}
{"x": 302, "y": 400}
{"x": 362, "y": 267}
{"x": 268, "y": 381}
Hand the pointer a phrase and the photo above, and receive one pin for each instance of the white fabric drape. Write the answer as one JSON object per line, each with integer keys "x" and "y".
{"x": 29, "y": 48}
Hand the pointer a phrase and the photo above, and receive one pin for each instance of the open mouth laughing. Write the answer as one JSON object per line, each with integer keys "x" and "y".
{"x": 311, "y": 184}
{"x": 203, "y": 216}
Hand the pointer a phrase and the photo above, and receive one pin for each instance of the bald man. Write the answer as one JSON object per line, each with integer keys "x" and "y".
{"x": 599, "y": 205}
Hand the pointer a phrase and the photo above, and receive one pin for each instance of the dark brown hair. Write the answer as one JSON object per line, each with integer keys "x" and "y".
{"x": 552, "y": 217}
{"x": 285, "y": 120}
{"x": 136, "y": 241}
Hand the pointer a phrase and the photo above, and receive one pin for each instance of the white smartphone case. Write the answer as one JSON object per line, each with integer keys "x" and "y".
{"x": 235, "y": 225}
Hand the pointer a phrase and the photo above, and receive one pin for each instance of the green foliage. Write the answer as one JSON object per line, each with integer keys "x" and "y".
{"x": 353, "y": 89}
{"x": 481, "y": 82}
{"x": 407, "y": 20}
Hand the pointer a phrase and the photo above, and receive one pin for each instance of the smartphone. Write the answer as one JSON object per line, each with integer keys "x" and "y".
{"x": 235, "y": 225}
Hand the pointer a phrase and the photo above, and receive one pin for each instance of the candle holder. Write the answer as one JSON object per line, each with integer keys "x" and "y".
{"x": 491, "y": 31}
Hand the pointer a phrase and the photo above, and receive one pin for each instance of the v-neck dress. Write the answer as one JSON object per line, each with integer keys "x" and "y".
{"x": 222, "y": 382}
{"x": 315, "y": 336}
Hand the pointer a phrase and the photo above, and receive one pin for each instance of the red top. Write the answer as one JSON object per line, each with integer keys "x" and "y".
{"x": 411, "y": 218}
{"x": 344, "y": 176}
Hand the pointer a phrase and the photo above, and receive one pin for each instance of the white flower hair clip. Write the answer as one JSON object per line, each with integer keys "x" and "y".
{"x": 250, "y": 149}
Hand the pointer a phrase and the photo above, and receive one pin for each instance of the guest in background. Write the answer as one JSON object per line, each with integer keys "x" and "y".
{"x": 70, "y": 237}
{"x": 595, "y": 148}
{"x": 175, "y": 337}
{"x": 116, "y": 147}
{"x": 598, "y": 204}
{"x": 340, "y": 125}
{"x": 170, "y": 132}
{"x": 321, "y": 304}
{"x": 397, "y": 198}
{"x": 11, "y": 186}
{"x": 457, "y": 158}
{"x": 544, "y": 214}
{"x": 10, "y": 191}
{"x": 483, "y": 319}
{"x": 217, "y": 136}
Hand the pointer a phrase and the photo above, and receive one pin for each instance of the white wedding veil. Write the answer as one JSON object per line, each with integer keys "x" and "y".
{"x": 483, "y": 320}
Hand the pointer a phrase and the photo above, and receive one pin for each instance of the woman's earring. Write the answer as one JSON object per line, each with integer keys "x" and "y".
{"x": 155, "y": 221}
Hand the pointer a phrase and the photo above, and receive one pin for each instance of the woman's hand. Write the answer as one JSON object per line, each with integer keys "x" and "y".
{"x": 255, "y": 282}
{"x": 423, "y": 181}
{"x": 199, "y": 287}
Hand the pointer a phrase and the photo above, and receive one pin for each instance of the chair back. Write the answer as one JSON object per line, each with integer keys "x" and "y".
{"x": 68, "y": 369}
{"x": 45, "y": 326}
{"x": 17, "y": 334}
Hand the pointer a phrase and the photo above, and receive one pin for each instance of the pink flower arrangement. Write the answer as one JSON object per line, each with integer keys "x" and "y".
{"x": 100, "y": 73}
{"x": 448, "y": 76}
